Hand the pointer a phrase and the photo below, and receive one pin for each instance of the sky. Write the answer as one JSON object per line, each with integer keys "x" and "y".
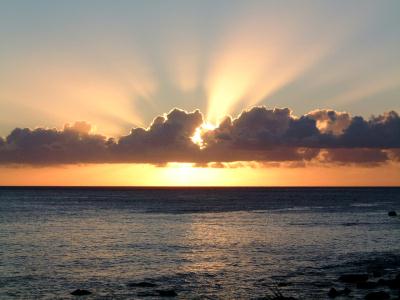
{"x": 199, "y": 92}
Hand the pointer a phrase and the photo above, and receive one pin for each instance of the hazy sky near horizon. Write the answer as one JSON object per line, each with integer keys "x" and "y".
{"x": 121, "y": 63}
{"x": 117, "y": 65}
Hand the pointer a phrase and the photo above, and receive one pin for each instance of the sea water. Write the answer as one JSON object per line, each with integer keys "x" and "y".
{"x": 205, "y": 243}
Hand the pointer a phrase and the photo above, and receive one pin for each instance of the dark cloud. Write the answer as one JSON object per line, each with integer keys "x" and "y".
{"x": 74, "y": 144}
{"x": 263, "y": 129}
{"x": 256, "y": 135}
{"x": 394, "y": 154}
{"x": 354, "y": 156}
{"x": 167, "y": 139}
{"x": 330, "y": 121}
{"x": 379, "y": 132}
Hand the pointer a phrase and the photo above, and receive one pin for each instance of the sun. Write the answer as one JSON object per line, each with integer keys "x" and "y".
{"x": 196, "y": 138}
{"x": 184, "y": 174}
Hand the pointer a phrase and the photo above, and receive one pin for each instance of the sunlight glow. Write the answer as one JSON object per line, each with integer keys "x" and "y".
{"x": 196, "y": 138}
{"x": 177, "y": 174}
{"x": 104, "y": 95}
{"x": 242, "y": 58}
{"x": 251, "y": 64}
{"x": 185, "y": 174}
{"x": 366, "y": 90}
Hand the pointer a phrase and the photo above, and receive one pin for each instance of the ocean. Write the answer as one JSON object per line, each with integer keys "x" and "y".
{"x": 204, "y": 243}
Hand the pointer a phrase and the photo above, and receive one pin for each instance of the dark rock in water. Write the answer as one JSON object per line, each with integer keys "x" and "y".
{"x": 392, "y": 213}
{"x": 353, "y": 278}
{"x": 382, "y": 282}
{"x": 377, "y": 273}
{"x": 367, "y": 285}
{"x": 277, "y": 294}
{"x": 376, "y": 268}
{"x": 381, "y": 295}
{"x": 277, "y": 298}
{"x": 346, "y": 291}
{"x": 80, "y": 292}
{"x": 142, "y": 284}
{"x": 391, "y": 283}
{"x": 167, "y": 293}
{"x": 333, "y": 293}
{"x": 282, "y": 284}
{"x": 147, "y": 294}
{"x": 394, "y": 284}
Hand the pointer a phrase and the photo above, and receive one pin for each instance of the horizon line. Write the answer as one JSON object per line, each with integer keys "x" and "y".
{"x": 190, "y": 186}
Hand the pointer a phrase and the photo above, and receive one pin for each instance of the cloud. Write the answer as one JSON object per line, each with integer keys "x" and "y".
{"x": 356, "y": 156}
{"x": 168, "y": 139}
{"x": 263, "y": 129}
{"x": 267, "y": 136}
{"x": 73, "y": 144}
{"x": 330, "y": 121}
{"x": 382, "y": 131}
{"x": 394, "y": 154}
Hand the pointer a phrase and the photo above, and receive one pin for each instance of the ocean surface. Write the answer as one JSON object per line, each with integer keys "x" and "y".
{"x": 205, "y": 243}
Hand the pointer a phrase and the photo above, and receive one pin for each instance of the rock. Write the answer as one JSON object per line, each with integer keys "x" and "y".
{"x": 346, "y": 291}
{"x": 333, "y": 293}
{"x": 391, "y": 283}
{"x": 382, "y": 282}
{"x": 353, "y": 278}
{"x": 392, "y": 213}
{"x": 367, "y": 285}
{"x": 80, "y": 292}
{"x": 142, "y": 284}
{"x": 167, "y": 293}
{"x": 279, "y": 298}
{"x": 277, "y": 294}
{"x": 377, "y": 273}
{"x": 283, "y": 284}
{"x": 147, "y": 294}
{"x": 381, "y": 295}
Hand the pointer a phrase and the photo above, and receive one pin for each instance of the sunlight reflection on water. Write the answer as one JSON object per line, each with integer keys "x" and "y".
{"x": 52, "y": 243}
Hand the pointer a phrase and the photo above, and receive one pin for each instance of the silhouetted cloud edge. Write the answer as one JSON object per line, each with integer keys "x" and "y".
{"x": 258, "y": 134}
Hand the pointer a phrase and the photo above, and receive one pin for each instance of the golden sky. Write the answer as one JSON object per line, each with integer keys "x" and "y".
{"x": 127, "y": 65}
{"x": 184, "y": 175}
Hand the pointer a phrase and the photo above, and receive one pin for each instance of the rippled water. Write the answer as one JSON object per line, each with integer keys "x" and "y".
{"x": 204, "y": 243}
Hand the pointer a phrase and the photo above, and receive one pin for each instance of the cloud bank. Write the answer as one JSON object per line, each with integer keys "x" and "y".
{"x": 259, "y": 134}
